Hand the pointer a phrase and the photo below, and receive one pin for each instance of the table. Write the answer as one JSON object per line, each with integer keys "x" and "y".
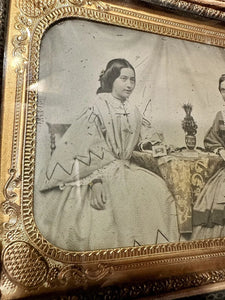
{"x": 185, "y": 174}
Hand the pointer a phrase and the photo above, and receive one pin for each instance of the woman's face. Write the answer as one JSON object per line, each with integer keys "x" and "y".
{"x": 124, "y": 84}
{"x": 222, "y": 89}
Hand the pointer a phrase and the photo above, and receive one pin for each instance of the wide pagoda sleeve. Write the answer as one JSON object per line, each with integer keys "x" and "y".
{"x": 81, "y": 151}
{"x": 215, "y": 137}
{"x": 149, "y": 134}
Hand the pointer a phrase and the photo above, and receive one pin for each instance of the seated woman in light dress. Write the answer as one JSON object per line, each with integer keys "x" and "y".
{"x": 209, "y": 209}
{"x": 92, "y": 196}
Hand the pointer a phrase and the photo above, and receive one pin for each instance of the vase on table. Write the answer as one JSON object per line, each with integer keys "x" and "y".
{"x": 190, "y": 127}
{"x": 190, "y": 141}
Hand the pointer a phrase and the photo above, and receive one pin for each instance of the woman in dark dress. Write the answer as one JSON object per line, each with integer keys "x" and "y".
{"x": 209, "y": 209}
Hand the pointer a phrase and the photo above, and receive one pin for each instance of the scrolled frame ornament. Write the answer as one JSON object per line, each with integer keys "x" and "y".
{"x": 61, "y": 269}
{"x": 35, "y": 9}
{"x": 93, "y": 13}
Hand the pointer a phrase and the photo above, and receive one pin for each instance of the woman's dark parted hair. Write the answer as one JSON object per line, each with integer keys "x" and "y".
{"x": 222, "y": 79}
{"x": 110, "y": 74}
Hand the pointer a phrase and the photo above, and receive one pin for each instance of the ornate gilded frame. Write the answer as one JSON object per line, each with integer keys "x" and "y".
{"x": 31, "y": 265}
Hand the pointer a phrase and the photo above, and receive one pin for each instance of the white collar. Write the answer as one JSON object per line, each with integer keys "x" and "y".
{"x": 114, "y": 102}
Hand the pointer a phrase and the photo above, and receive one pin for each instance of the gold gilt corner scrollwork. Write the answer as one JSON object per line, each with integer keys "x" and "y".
{"x": 38, "y": 8}
{"x": 24, "y": 265}
{"x": 10, "y": 207}
{"x": 12, "y": 186}
{"x": 20, "y": 43}
{"x": 27, "y": 268}
{"x": 123, "y": 17}
{"x": 35, "y": 8}
{"x": 98, "y": 4}
{"x": 82, "y": 276}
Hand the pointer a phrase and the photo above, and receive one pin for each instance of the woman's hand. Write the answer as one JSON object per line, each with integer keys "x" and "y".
{"x": 98, "y": 197}
{"x": 145, "y": 145}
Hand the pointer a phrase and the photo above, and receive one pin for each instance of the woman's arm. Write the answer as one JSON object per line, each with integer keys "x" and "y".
{"x": 81, "y": 151}
{"x": 214, "y": 141}
{"x": 149, "y": 136}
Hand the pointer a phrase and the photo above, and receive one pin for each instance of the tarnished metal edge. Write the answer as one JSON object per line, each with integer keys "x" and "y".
{"x": 3, "y": 18}
{"x": 201, "y": 8}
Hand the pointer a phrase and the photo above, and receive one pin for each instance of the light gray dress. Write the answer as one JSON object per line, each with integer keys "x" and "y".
{"x": 139, "y": 207}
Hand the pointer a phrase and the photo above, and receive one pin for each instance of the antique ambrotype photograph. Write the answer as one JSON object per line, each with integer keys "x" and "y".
{"x": 130, "y": 138}
{"x": 112, "y": 149}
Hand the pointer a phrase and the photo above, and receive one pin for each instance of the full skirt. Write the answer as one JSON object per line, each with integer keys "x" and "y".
{"x": 139, "y": 210}
{"x": 209, "y": 209}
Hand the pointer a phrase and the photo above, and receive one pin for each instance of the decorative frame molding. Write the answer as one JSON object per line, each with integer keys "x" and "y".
{"x": 3, "y": 17}
{"x": 31, "y": 265}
